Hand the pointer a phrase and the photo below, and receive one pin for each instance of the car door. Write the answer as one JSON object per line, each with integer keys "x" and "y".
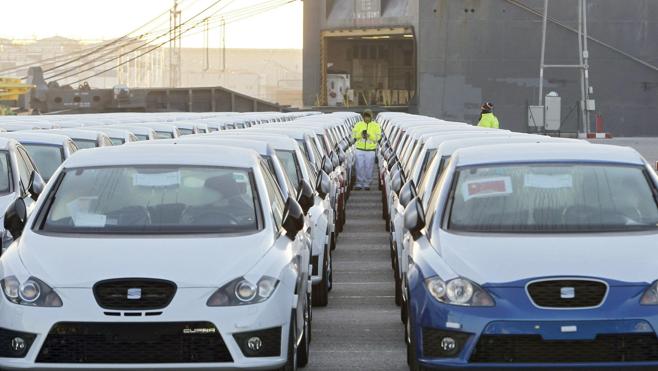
{"x": 300, "y": 246}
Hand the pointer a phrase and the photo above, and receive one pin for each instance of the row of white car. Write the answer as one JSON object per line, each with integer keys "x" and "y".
{"x": 205, "y": 250}
{"x": 513, "y": 250}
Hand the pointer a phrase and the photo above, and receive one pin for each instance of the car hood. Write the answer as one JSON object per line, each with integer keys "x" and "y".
{"x": 510, "y": 260}
{"x": 80, "y": 262}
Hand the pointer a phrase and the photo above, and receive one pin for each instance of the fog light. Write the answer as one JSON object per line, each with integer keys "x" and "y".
{"x": 18, "y": 345}
{"x": 255, "y": 344}
{"x": 448, "y": 344}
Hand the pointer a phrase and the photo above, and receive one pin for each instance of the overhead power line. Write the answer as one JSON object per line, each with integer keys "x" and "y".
{"x": 228, "y": 18}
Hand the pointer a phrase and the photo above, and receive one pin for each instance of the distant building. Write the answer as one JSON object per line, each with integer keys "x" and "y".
{"x": 272, "y": 75}
{"x": 451, "y": 55}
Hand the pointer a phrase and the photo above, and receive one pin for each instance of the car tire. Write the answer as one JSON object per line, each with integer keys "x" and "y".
{"x": 291, "y": 363}
{"x": 404, "y": 313}
{"x": 398, "y": 290}
{"x": 333, "y": 241}
{"x": 320, "y": 292}
{"x": 304, "y": 347}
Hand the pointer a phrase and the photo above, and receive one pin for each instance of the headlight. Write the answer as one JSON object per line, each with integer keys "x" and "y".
{"x": 32, "y": 292}
{"x": 459, "y": 291}
{"x": 650, "y": 296}
{"x": 243, "y": 292}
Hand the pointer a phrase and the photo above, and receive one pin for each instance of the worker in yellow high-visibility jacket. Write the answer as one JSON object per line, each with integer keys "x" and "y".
{"x": 487, "y": 118}
{"x": 367, "y": 134}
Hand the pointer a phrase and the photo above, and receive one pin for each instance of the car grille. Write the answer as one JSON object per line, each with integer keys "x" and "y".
{"x": 551, "y": 294}
{"x": 147, "y": 294}
{"x": 190, "y": 342}
{"x": 534, "y": 349}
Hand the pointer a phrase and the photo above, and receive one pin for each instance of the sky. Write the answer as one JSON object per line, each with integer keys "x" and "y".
{"x": 108, "y": 19}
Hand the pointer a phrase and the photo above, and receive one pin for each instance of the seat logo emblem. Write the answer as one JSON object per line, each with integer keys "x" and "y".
{"x": 567, "y": 293}
{"x": 134, "y": 294}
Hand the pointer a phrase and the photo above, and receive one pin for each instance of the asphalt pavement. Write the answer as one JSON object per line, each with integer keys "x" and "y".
{"x": 360, "y": 329}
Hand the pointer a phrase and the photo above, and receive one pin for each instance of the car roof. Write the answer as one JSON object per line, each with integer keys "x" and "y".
{"x": 211, "y": 140}
{"x": 78, "y": 133}
{"x": 35, "y": 136}
{"x": 546, "y": 152}
{"x": 163, "y": 154}
{"x": 278, "y": 141}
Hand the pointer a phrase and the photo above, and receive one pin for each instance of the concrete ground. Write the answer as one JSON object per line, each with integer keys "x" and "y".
{"x": 360, "y": 329}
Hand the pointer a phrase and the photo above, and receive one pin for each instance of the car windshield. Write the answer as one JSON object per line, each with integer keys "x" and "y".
{"x": 85, "y": 143}
{"x": 164, "y": 135}
{"x": 117, "y": 141}
{"x": 5, "y": 173}
{"x": 553, "y": 198}
{"x": 46, "y": 157}
{"x": 152, "y": 200}
{"x": 290, "y": 165}
{"x": 185, "y": 131}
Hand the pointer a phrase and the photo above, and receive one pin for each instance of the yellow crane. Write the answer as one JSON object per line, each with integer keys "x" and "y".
{"x": 10, "y": 90}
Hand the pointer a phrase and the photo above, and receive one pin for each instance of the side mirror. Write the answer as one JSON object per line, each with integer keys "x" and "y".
{"x": 396, "y": 181}
{"x": 335, "y": 160}
{"x": 392, "y": 162}
{"x": 305, "y": 196}
{"x": 327, "y": 165}
{"x": 414, "y": 218}
{"x": 15, "y": 217}
{"x": 341, "y": 155}
{"x": 323, "y": 185}
{"x": 407, "y": 193}
{"x": 36, "y": 185}
{"x": 293, "y": 218}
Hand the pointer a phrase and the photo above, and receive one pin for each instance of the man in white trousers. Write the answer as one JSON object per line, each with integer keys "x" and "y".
{"x": 367, "y": 134}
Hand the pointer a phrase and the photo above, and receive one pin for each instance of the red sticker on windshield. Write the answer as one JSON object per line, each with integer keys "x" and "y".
{"x": 487, "y": 187}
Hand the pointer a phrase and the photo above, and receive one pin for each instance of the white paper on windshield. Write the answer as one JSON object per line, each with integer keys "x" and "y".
{"x": 89, "y": 220}
{"x": 240, "y": 178}
{"x": 487, "y": 187}
{"x": 547, "y": 181}
{"x": 157, "y": 179}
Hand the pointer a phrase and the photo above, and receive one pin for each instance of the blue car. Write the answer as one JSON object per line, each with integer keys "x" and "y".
{"x": 535, "y": 255}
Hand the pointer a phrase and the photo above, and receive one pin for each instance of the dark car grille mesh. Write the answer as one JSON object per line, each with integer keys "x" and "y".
{"x": 153, "y": 294}
{"x": 549, "y": 293}
{"x": 134, "y": 343}
{"x": 534, "y": 349}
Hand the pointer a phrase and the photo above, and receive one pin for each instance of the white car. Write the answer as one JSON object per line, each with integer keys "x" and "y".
{"x": 85, "y": 139}
{"x": 157, "y": 257}
{"x": 318, "y": 209}
{"x": 47, "y": 150}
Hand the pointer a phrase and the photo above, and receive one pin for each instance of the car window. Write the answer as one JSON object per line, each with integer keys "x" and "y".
{"x": 141, "y": 137}
{"x": 274, "y": 194}
{"x": 185, "y": 131}
{"x": 85, "y": 143}
{"x": 152, "y": 200}
{"x": 117, "y": 141}
{"x": 5, "y": 173}
{"x": 47, "y": 158}
{"x": 290, "y": 165}
{"x": 164, "y": 135}
{"x": 553, "y": 198}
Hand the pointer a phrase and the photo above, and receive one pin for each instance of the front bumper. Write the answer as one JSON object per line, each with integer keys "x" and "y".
{"x": 188, "y": 306}
{"x": 516, "y": 334}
